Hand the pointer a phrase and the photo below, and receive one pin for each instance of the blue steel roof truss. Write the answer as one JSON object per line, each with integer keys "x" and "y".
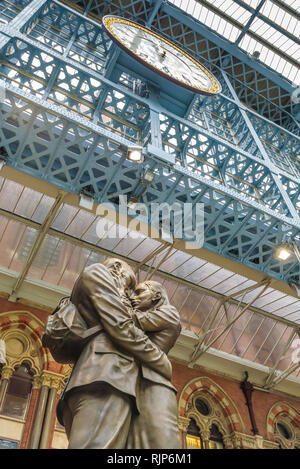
{"x": 67, "y": 123}
{"x": 257, "y": 84}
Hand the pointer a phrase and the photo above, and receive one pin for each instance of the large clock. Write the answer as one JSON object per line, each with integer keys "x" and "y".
{"x": 161, "y": 56}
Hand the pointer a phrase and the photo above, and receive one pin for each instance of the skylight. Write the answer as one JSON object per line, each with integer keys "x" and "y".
{"x": 278, "y": 45}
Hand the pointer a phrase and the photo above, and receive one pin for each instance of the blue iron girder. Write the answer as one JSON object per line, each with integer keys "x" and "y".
{"x": 28, "y": 14}
{"x": 9, "y": 10}
{"x": 275, "y": 172}
{"x": 65, "y": 60}
{"x": 261, "y": 73}
{"x": 250, "y": 21}
{"x": 62, "y": 12}
{"x": 231, "y": 232}
{"x": 226, "y": 45}
{"x": 88, "y": 155}
{"x": 57, "y": 58}
{"x": 262, "y": 91}
{"x": 256, "y": 12}
{"x": 186, "y": 19}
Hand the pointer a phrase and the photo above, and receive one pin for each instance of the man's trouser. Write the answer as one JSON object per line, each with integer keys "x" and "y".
{"x": 97, "y": 418}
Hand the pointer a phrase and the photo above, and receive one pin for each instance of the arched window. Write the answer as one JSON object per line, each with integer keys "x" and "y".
{"x": 18, "y": 392}
{"x": 283, "y": 426}
{"x": 285, "y": 434}
{"x": 193, "y": 437}
{"x": 215, "y": 439}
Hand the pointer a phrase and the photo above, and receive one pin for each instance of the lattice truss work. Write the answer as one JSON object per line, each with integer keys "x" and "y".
{"x": 67, "y": 117}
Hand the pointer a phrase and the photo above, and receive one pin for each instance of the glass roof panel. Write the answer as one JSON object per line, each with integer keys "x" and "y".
{"x": 177, "y": 263}
{"x": 76, "y": 263}
{"x": 278, "y": 63}
{"x": 202, "y": 273}
{"x": 188, "y": 267}
{"x": 47, "y": 258}
{"x": 16, "y": 241}
{"x": 216, "y": 279}
{"x": 279, "y": 304}
{"x": 211, "y": 19}
{"x": 231, "y": 342}
{"x": 91, "y": 235}
{"x": 252, "y": 3}
{"x": 80, "y": 224}
{"x": 278, "y": 338}
{"x": 240, "y": 16}
{"x": 24, "y": 201}
{"x": 239, "y": 286}
{"x": 9, "y": 194}
{"x": 294, "y": 317}
{"x": 59, "y": 260}
{"x": 64, "y": 217}
{"x": 278, "y": 39}
{"x": 230, "y": 284}
{"x": 144, "y": 249}
{"x": 129, "y": 243}
{"x": 292, "y": 308}
{"x": 232, "y": 9}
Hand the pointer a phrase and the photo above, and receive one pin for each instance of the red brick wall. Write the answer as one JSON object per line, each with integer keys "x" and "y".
{"x": 182, "y": 375}
{"x": 262, "y": 401}
{"x": 6, "y": 305}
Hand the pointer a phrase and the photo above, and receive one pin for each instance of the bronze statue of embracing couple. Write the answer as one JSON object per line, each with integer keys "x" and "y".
{"x": 119, "y": 394}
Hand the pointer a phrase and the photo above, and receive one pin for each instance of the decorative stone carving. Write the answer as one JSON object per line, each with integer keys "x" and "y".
{"x": 270, "y": 445}
{"x": 7, "y": 372}
{"x": 36, "y": 383}
{"x": 227, "y": 442}
{"x": 283, "y": 422}
{"x": 244, "y": 441}
{"x": 52, "y": 380}
{"x": 205, "y": 435}
{"x": 236, "y": 439}
{"x": 183, "y": 423}
{"x": 21, "y": 345}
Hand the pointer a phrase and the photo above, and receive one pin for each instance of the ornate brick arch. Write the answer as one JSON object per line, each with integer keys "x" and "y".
{"x": 285, "y": 411}
{"x": 206, "y": 385}
{"x": 26, "y": 328}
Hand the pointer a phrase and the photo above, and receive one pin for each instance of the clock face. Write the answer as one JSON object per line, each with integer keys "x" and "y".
{"x": 161, "y": 56}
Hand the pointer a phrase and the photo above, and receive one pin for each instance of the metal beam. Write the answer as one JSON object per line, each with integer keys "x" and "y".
{"x": 206, "y": 32}
{"x": 274, "y": 170}
{"x": 287, "y": 8}
{"x": 26, "y": 16}
{"x": 198, "y": 351}
{"x": 255, "y": 36}
{"x": 137, "y": 265}
{"x": 187, "y": 177}
{"x": 164, "y": 258}
{"x": 270, "y": 377}
{"x": 154, "y": 105}
{"x": 43, "y": 230}
{"x": 250, "y": 21}
{"x": 268, "y": 21}
{"x": 177, "y": 168}
{"x": 282, "y": 376}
